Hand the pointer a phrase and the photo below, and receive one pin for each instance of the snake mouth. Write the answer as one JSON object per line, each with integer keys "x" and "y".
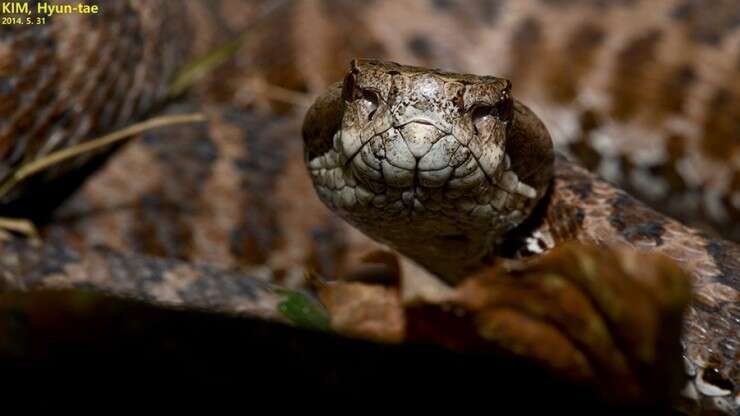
{"x": 414, "y": 167}
{"x": 417, "y": 153}
{"x": 422, "y": 122}
{"x": 420, "y": 154}
{"x": 412, "y": 171}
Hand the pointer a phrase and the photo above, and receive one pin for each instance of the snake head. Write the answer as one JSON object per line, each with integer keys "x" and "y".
{"x": 420, "y": 128}
{"x": 419, "y": 159}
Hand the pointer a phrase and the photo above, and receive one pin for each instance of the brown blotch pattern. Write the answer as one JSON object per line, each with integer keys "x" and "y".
{"x": 599, "y": 4}
{"x": 161, "y": 281}
{"x": 489, "y": 10}
{"x": 581, "y": 148}
{"x": 484, "y": 11}
{"x": 258, "y": 232}
{"x": 568, "y": 71}
{"x": 632, "y": 82}
{"x": 724, "y": 255}
{"x": 635, "y": 221}
{"x": 708, "y": 22}
{"x": 161, "y": 217}
{"x": 327, "y": 249}
{"x": 721, "y": 130}
{"x": 526, "y": 42}
{"x": 78, "y": 80}
{"x": 564, "y": 224}
{"x": 674, "y": 88}
{"x": 161, "y": 229}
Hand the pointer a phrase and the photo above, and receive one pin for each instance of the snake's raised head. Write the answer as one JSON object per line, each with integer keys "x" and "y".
{"x": 437, "y": 165}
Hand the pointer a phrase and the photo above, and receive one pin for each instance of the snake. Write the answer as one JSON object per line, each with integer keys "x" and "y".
{"x": 490, "y": 184}
{"x": 51, "y": 76}
{"x": 449, "y": 169}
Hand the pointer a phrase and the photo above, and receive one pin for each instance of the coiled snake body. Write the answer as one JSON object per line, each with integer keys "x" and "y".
{"x": 449, "y": 169}
{"x": 444, "y": 168}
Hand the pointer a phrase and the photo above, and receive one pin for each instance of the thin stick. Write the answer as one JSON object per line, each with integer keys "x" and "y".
{"x": 38, "y": 165}
{"x": 19, "y": 225}
{"x": 201, "y": 66}
{"x": 274, "y": 92}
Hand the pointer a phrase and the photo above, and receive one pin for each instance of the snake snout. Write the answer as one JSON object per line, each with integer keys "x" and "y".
{"x": 417, "y": 151}
{"x": 420, "y": 136}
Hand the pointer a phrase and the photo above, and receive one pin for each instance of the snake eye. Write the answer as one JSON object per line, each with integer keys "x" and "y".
{"x": 368, "y": 103}
{"x": 483, "y": 116}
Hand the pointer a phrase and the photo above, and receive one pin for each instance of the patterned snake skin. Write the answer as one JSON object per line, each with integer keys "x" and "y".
{"x": 51, "y": 77}
{"x": 442, "y": 167}
{"x": 225, "y": 193}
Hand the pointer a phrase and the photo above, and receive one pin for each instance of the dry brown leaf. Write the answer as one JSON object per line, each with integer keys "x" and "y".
{"x": 365, "y": 311}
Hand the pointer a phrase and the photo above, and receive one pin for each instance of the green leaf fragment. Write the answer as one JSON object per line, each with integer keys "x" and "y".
{"x": 303, "y": 311}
